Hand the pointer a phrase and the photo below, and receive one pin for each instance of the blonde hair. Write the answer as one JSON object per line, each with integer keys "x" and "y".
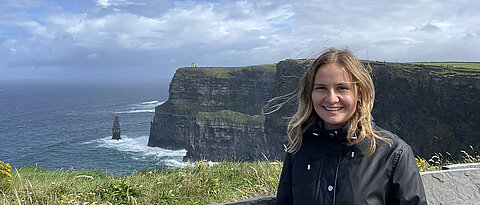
{"x": 359, "y": 125}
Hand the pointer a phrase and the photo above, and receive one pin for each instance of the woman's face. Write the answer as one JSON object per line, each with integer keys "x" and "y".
{"x": 334, "y": 96}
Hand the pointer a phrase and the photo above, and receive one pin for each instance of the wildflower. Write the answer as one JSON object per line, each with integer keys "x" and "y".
{"x": 150, "y": 172}
{"x": 53, "y": 183}
{"x": 159, "y": 182}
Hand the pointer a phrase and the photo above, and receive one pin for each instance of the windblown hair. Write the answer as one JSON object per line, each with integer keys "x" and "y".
{"x": 359, "y": 125}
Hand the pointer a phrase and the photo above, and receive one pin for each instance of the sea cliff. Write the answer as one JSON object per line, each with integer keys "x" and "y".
{"x": 216, "y": 113}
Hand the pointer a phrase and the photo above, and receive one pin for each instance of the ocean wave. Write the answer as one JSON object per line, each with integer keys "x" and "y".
{"x": 135, "y": 111}
{"x": 148, "y": 106}
{"x": 140, "y": 151}
{"x": 150, "y": 102}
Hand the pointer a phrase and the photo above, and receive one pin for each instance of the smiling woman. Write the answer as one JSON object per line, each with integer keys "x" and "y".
{"x": 336, "y": 154}
{"x": 334, "y": 96}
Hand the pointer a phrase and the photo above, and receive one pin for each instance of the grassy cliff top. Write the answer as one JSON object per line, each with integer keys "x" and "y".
{"x": 471, "y": 65}
{"x": 455, "y": 68}
{"x": 441, "y": 68}
{"x": 228, "y": 72}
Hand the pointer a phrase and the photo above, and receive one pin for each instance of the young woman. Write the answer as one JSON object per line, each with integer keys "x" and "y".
{"x": 336, "y": 154}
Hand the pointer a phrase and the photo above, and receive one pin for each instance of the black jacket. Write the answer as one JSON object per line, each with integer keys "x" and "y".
{"x": 326, "y": 171}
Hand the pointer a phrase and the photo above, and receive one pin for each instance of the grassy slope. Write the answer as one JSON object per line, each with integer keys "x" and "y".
{"x": 224, "y": 182}
{"x": 199, "y": 184}
{"x": 233, "y": 116}
{"x": 227, "y": 72}
{"x": 456, "y": 68}
{"x": 473, "y": 65}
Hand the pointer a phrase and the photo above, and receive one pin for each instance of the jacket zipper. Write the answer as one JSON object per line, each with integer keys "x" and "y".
{"x": 336, "y": 175}
{"x": 320, "y": 167}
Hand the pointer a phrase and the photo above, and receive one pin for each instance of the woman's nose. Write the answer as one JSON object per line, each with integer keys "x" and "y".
{"x": 332, "y": 96}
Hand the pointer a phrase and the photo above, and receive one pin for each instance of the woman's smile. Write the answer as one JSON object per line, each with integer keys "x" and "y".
{"x": 332, "y": 108}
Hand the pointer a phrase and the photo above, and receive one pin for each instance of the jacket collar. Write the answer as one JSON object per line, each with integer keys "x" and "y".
{"x": 337, "y": 135}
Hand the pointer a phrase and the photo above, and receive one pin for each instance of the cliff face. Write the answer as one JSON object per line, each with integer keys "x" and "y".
{"x": 228, "y": 135}
{"x": 434, "y": 109}
{"x": 212, "y": 111}
{"x": 215, "y": 113}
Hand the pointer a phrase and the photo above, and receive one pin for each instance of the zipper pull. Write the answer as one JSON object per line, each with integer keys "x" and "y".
{"x": 353, "y": 154}
{"x": 308, "y": 167}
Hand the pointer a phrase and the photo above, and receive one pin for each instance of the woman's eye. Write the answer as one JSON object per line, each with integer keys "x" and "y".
{"x": 319, "y": 88}
{"x": 342, "y": 88}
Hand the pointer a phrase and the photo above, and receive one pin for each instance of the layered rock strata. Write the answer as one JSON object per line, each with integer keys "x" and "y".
{"x": 434, "y": 109}
{"x": 216, "y": 113}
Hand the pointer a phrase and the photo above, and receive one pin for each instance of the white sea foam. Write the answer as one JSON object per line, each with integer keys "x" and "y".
{"x": 141, "y": 107}
{"x": 135, "y": 111}
{"x": 138, "y": 147}
{"x": 150, "y": 102}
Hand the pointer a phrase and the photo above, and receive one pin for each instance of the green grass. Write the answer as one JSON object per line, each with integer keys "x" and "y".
{"x": 224, "y": 182}
{"x": 187, "y": 106}
{"x": 232, "y": 116}
{"x": 471, "y": 69}
{"x": 472, "y": 65}
{"x": 199, "y": 184}
{"x": 229, "y": 72}
{"x": 453, "y": 68}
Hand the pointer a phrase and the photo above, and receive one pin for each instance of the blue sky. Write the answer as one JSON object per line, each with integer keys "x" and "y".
{"x": 150, "y": 39}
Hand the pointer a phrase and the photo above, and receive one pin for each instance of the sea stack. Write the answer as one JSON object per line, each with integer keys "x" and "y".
{"x": 116, "y": 131}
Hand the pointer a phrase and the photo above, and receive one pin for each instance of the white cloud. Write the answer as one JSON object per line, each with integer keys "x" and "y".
{"x": 148, "y": 34}
{"x": 92, "y": 56}
{"x": 37, "y": 30}
{"x": 103, "y": 3}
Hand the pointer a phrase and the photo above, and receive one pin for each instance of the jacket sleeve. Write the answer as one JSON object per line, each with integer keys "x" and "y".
{"x": 407, "y": 185}
{"x": 284, "y": 192}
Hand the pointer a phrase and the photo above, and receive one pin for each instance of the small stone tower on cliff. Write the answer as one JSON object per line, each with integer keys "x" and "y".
{"x": 116, "y": 131}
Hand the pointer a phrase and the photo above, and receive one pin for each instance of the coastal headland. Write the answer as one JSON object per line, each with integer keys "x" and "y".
{"x": 222, "y": 113}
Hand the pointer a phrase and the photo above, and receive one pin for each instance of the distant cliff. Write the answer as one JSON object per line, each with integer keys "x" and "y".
{"x": 215, "y": 113}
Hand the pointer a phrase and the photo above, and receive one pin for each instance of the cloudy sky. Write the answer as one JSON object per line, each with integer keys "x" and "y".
{"x": 150, "y": 39}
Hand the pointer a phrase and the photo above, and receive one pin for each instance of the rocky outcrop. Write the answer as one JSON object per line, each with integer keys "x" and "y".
{"x": 216, "y": 113}
{"x": 116, "y": 131}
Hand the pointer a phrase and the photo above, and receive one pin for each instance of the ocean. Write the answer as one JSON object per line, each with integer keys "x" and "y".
{"x": 68, "y": 125}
